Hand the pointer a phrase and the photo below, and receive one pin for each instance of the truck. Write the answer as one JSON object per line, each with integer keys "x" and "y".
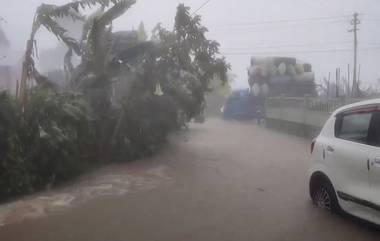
{"x": 281, "y": 76}
{"x": 269, "y": 77}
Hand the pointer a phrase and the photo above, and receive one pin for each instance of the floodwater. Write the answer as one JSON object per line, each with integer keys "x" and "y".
{"x": 223, "y": 180}
{"x": 116, "y": 180}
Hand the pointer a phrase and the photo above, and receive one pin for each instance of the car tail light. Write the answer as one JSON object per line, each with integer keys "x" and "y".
{"x": 312, "y": 146}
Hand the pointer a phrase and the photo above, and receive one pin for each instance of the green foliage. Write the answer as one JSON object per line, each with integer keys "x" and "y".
{"x": 142, "y": 33}
{"x": 15, "y": 178}
{"x": 57, "y": 127}
{"x": 44, "y": 143}
{"x": 188, "y": 61}
{"x": 146, "y": 121}
{"x": 49, "y": 136}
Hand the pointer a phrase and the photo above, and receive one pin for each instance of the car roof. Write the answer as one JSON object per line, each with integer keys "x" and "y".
{"x": 358, "y": 104}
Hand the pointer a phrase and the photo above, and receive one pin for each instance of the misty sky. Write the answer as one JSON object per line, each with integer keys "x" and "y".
{"x": 249, "y": 27}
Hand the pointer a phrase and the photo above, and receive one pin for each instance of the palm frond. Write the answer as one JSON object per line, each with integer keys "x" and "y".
{"x": 55, "y": 11}
{"x": 89, "y": 24}
{"x": 66, "y": 9}
{"x": 72, "y": 9}
{"x": 89, "y": 3}
{"x": 68, "y": 65}
{"x": 63, "y": 11}
{"x": 116, "y": 11}
{"x": 94, "y": 51}
{"x": 59, "y": 32}
{"x": 98, "y": 37}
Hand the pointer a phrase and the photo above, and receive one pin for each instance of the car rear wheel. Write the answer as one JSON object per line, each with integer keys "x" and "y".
{"x": 325, "y": 198}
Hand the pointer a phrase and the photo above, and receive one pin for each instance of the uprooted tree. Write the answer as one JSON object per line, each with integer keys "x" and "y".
{"x": 121, "y": 101}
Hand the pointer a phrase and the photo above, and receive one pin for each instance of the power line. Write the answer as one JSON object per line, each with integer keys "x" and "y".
{"x": 372, "y": 20}
{"x": 315, "y": 44}
{"x": 299, "y": 52}
{"x": 291, "y": 20}
{"x": 370, "y": 43}
{"x": 203, "y": 5}
{"x": 290, "y": 50}
{"x": 234, "y": 31}
{"x": 298, "y": 45}
{"x": 321, "y": 5}
{"x": 278, "y": 26}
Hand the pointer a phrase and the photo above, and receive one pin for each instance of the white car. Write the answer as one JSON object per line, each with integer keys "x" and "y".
{"x": 345, "y": 171}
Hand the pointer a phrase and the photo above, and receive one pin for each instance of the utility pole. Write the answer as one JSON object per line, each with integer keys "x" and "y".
{"x": 337, "y": 83}
{"x": 348, "y": 81}
{"x": 359, "y": 79}
{"x": 355, "y": 22}
{"x": 328, "y": 86}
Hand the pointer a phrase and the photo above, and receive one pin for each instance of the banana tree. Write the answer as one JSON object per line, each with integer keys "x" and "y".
{"x": 94, "y": 75}
{"x": 89, "y": 48}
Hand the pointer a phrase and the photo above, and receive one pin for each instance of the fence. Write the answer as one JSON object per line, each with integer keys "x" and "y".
{"x": 305, "y": 115}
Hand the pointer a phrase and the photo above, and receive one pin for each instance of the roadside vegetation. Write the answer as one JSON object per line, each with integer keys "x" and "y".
{"x": 118, "y": 103}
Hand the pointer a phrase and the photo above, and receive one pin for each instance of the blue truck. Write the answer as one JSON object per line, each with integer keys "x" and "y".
{"x": 241, "y": 104}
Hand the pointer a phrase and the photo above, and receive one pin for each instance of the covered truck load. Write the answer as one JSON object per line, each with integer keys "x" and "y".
{"x": 276, "y": 76}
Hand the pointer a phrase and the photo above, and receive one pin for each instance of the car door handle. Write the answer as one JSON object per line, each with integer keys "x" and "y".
{"x": 330, "y": 149}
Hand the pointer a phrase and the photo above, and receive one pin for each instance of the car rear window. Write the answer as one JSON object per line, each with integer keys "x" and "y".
{"x": 354, "y": 127}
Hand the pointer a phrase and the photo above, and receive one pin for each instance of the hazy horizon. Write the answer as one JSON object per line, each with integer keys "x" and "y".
{"x": 312, "y": 31}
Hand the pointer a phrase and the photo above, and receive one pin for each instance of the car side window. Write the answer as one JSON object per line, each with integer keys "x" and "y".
{"x": 374, "y": 130}
{"x": 354, "y": 127}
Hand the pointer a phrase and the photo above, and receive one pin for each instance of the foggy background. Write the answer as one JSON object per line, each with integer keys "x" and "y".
{"x": 312, "y": 31}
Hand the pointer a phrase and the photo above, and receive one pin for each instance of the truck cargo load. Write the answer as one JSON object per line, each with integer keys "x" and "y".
{"x": 285, "y": 76}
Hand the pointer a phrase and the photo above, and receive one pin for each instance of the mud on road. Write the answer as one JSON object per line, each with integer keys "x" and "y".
{"x": 218, "y": 181}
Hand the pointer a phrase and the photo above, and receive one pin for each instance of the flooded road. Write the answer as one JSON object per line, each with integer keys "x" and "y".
{"x": 115, "y": 180}
{"x": 219, "y": 181}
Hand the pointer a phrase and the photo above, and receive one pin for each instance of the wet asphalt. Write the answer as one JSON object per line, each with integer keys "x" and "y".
{"x": 223, "y": 180}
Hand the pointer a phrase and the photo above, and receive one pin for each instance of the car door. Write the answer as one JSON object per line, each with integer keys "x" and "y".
{"x": 349, "y": 153}
{"x": 374, "y": 159}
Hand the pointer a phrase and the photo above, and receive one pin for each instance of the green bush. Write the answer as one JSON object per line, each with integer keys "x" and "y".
{"x": 52, "y": 139}
{"x": 45, "y": 143}
{"x": 56, "y": 126}
{"x": 146, "y": 121}
{"x": 15, "y": 178}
